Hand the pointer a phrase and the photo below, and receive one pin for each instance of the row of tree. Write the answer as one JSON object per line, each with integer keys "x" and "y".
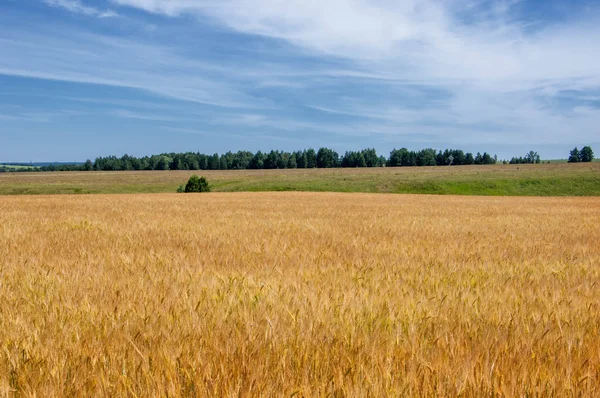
{"x": 531, "y": 158}
{"x": 306, "y": 159}
{"x": 585, "y": 155}
{"x": 429, "y": 157}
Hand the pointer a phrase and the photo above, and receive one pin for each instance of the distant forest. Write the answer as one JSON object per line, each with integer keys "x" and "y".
{"x": 305, "y": 159}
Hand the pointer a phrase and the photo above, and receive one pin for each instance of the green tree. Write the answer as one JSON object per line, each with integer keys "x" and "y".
{"x": 202, "y": 161}
{"x": 192, "y": 161}
{"x": 214, "y": 162}
{"x": 486, "y": 158}
{"x": 371, "y": 157}
{"x": 179, "y": 163}
{"x": 144, "y": 163}
{"x": 282, "y": 160}
{"x": 241, "y": 160}
{"x": 197, "y": 184}
{"x": 272, "y": 159}
{"x": 136, "y": 164}
{"x": 292, "y": 164}
{"x": 586, "y": 154}
{"x": 228, "y": 156}
{"x": 311, "y": 159}
{"x": 458, "y": 157}
{"x": 469, "y": 158}
{"x": 399, "y": 157}
{"x": 326, "y": 158}
{"x": 301, "y": 160}
{"x": 574, "y": 156}
{"x": 440, "y": 160}
{"x": 348, "y": 160}
{"x": 426, "y": 157}
{"x": 361, "y": 161}
{"x": 222, "y": 163}
{"x": 532, "y": 157}
{"x": 258, "y": 161}
{"x": 164, "y": 163}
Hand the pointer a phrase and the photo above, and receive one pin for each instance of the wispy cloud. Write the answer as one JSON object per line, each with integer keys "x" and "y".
{"x": 127, "y": 114}
{"x": 424, "y": 34}
{"x": 76, "y": 7}
{"x": 191, "y": 131}
{"x": 498, "y": 70}
{"x": 105, "y": 60}
{"x": 415, "y": 39}
{"x": 455, "y": 71}
{"x": 8, "y": 117}
{"x": 40, "y": 116}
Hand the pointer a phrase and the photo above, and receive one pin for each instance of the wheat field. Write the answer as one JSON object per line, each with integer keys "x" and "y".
{"x": 299, "y": 294}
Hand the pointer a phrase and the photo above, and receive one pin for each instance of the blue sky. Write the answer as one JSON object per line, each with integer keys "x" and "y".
{"x": 87, "y": 78}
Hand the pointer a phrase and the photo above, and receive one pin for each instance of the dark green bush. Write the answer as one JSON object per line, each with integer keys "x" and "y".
{"x": 197, "y": 184}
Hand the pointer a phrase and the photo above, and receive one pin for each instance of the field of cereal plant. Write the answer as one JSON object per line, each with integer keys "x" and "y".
{"x": 299, "y": 294}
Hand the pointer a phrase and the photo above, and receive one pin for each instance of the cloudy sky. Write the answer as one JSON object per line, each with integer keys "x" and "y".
{"x": 87, "y": 78}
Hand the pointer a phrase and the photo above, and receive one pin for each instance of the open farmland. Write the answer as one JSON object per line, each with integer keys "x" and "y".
{"x": 16, "y": 167}
{"x": 581, "y": 179}
{"x": 303, "y": 294}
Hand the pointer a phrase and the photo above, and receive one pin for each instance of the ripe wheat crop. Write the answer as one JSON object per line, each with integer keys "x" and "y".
{"x": 299, "y": 294}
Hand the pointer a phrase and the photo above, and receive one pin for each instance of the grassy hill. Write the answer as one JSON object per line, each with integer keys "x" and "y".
{"x": 581, "y": 179}
{"x": 17, "y": 167}
{"x": 565, "y": 160}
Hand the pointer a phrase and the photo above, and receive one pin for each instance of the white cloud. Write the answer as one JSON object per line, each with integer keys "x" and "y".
{"x": 39, "y": 116}
{"x": 412, "y": 38}
{"x": 128, "y": 114}
{"x": 335, "y": 26}
{"x": 108, "y": 14}
{"x": 76, "y": 7}
{"x": 96, "y": 59}
{"x": 495, "y": 74}
{"x": 498, "y": 69}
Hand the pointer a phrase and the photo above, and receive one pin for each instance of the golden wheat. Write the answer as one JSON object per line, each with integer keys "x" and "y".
{"x": 282, "y": 294}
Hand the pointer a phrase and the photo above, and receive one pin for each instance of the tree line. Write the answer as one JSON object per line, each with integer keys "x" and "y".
{"x": 305, "y": 159}
{"x": 530, "y": 158}
{"x": 585, "y": 155}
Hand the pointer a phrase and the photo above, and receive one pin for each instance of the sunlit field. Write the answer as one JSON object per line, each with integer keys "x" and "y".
{"x": 299, "y": 294}
{"x": 579, "y": 179}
